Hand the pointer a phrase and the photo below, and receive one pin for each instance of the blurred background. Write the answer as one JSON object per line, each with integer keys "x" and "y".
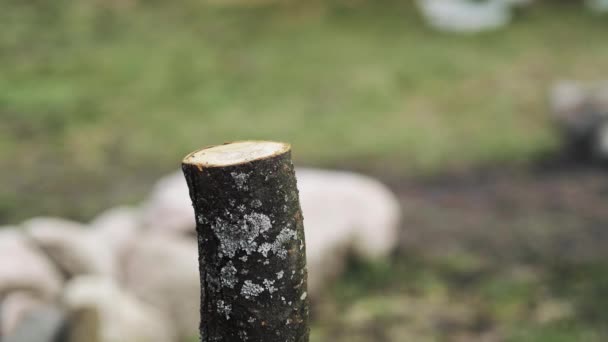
{"x": 479, "y": 126}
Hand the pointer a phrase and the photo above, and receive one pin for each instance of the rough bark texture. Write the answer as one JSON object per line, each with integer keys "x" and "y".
{"x": 252, "y": 256}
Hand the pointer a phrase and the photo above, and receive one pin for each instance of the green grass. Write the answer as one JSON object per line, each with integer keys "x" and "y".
{"x": 420, "y": 299}
{"x": 97, "y": 101}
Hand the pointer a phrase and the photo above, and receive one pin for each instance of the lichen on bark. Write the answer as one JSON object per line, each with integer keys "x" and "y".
{"x": 250, "y": 230}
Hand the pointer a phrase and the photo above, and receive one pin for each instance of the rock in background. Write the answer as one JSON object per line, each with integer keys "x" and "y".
{"x": 118, "y": 227}
{"x": 15, "y": 306}
{"x": 465, "y": 16}
{"x": 23, "y": 267}
{"x": 163, "y": 271}
{"x": 71, "y": 246}
{"x": 343, "y": 211}
{"x": 41, "y": 325}
{"x": 580, "y": 111}
{"x": 122, "y": 316}
{"x": 599, "y": 6}
{"x": 168, "y": 210}
{"x": 131, "y": 274}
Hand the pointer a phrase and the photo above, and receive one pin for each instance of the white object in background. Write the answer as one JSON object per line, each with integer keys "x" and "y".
{"x": 72, "y": 247}
{"x": 602, "y": 141}
{"x": 568, "y": 101}
{"x": 14, "y": 308}
{"x": 24, "y": 268}
{"x": 42, "y": 324}
{"x": 341, "y": 200}
{"x": 519, "y": 3}
{"x": 122, "y": 316}
{"x": 466, "y": 16}
{"x": 580, "y": 109}
{"x": 119, "y": 227}
{"x": 162, "y": 269}
{"x": 342, "y": 211}
{"x": 599, "y": 6}
{"x": 169, "y": 209}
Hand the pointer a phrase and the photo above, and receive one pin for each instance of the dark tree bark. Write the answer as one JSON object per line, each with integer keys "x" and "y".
{"x": 252, "y": 255}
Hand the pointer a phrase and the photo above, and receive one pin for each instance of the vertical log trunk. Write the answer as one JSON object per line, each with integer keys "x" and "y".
{"x": 252, "y": 256}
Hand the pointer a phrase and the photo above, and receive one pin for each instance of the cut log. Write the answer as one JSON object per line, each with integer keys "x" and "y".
{"x": 252, "y": 255}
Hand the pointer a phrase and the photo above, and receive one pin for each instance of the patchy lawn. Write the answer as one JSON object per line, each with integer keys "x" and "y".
{"x": 98, "y": 101}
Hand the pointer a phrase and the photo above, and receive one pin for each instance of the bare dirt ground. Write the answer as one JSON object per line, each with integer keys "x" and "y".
{"x": 493, "y": 255}
{"x": 556, "y": 211}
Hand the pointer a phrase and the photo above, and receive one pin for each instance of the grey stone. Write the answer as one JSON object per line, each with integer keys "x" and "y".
{"x": 168, "y": 208}
{"x": 342, "y": 211}
{"x": 580, "y": 111}
{"x": 162, "y": 269}
{"x": 118, "y": 228}
{"x": 122, "y": 316}
{"x": 73, "y": 247}
{"x": 14, "y": 307}
{"x": 43, "y": 325}
{"x": 24, "y": 268}
{"x": 599, "y": 6}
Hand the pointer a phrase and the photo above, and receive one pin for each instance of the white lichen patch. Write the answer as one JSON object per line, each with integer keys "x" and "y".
{"x": 264, "y": 249}
{"x": 232, "y": 238}
{"x": 269, "y": 286}
{"x": 284, "y": 236}
{"x": 228, "y": 275}
{"x": 242, "y": 235}
{"x": 251, "y": 289}
{"x": 224, "y": 309}
{"x": 278, "y": 246}
{"x": 280, "y": 274}
{"x": 260, "y": 221}
{"x": 241, "y": 180}
{"x": 256, "y": 203}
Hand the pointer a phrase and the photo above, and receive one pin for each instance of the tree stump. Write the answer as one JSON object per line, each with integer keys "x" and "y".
{"x": 252, "y": 255}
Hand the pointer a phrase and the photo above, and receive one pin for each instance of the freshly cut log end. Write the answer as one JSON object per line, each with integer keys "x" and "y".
{"x": 252, "y": 255}
{"x": 235, "y": 153}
